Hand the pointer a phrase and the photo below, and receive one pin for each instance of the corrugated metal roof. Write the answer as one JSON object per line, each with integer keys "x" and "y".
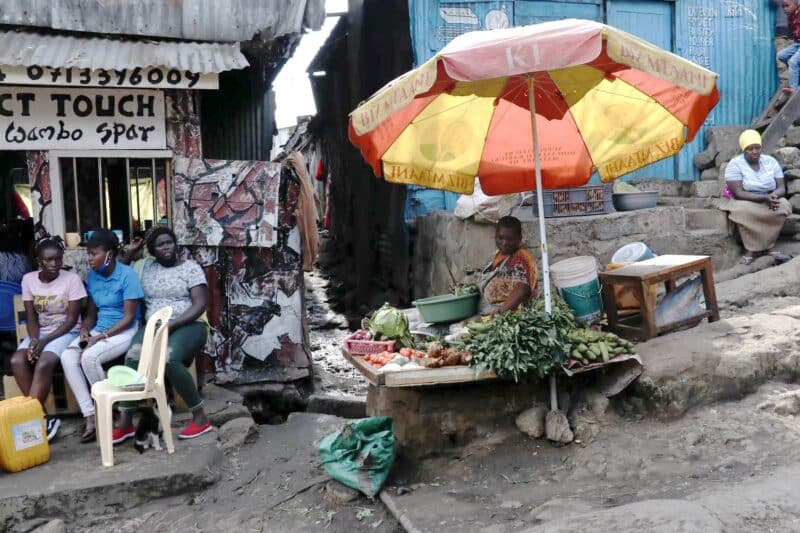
{"x": 18, "y": 48}
{"x": 203, "y": 20}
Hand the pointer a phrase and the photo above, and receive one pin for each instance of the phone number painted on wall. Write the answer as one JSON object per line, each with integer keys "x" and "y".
{"x": 149, "y": 77}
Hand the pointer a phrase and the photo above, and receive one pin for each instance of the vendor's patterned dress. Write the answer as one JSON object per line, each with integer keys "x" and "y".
{"x": 520, "y": 268}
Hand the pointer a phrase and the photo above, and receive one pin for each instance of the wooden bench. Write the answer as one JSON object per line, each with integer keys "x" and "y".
{"x": 642, "y": 277}
{"x": 60, "y": 401}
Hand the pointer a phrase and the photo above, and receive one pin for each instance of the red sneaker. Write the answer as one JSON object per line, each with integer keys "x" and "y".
{"x": 121, "y": 435}
{"x": 194, "y": 430}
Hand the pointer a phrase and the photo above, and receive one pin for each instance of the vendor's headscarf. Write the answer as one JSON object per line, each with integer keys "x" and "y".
{"x": 749, "y": 138}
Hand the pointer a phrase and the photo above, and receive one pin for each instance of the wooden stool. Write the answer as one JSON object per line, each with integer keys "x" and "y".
{"x": 60, "y": 401}
{"x": 642, "y": 276}
{"x": 20, "y": 318}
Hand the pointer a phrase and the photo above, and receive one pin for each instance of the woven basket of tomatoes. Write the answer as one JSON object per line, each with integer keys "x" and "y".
{"x": 361, "y": 343}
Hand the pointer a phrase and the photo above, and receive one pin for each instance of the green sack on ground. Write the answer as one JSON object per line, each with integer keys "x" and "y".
{"x": 361, "y": 454}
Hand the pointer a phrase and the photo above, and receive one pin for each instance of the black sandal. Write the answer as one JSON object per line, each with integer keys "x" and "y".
{"x": 780, "y": 258}
{"x": 89, "y": 435}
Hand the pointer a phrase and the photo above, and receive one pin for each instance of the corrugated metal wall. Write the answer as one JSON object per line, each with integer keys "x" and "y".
{"x": 732, "y": 38}
{"x": 736, "y": 40}
{"x": 238, "y": 120}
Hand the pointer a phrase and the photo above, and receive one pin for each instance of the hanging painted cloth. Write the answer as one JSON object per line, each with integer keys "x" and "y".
{"x": 306, "y": 210}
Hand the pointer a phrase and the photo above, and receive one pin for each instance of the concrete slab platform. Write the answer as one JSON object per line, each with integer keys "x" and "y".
{"x": 74, "y": 481}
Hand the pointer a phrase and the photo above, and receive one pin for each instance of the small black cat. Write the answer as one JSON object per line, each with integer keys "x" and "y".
{"x": 148, "y": 431}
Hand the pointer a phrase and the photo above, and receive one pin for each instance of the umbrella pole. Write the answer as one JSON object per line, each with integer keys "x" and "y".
{"x": 548, "y": 304}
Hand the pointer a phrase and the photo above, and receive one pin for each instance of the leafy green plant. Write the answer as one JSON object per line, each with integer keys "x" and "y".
{"x": 523, "y": 344}
{"x": 390, "y": 323}
{"x": 464, "y": 290}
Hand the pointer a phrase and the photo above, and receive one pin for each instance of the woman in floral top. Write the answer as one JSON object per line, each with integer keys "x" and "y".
{"x": 167, "y": 280}
{"x": 510, "y": 279}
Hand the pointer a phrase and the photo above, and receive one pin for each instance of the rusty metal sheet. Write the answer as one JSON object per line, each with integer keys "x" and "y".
{"x": 205, "y": 20}
{"x": 30, "y": 48}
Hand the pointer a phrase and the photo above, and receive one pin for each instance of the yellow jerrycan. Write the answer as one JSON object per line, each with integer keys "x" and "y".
{"x": 23, "y": 437}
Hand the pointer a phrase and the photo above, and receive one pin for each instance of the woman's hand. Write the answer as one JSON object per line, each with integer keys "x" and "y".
{"x": 774, "y": 201}
{"x": 91, "y": 341}
{"x": 33, "y": 350}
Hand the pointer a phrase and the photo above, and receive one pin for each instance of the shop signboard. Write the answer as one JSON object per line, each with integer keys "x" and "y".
{"x": 142, "y": 78}
{"x": 79, "y": 119}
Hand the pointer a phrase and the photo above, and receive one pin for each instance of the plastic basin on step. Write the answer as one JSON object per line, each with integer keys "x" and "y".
{"x": 632, "y": 201}
{"x": 447, "y": 307}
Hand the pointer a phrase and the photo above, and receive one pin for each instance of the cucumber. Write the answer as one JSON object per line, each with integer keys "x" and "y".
{"x": 479, "y": 326}
{"x": 603, "y": 350}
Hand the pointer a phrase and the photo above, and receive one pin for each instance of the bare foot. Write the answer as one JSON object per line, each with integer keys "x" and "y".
{"x": 788, "y": 90}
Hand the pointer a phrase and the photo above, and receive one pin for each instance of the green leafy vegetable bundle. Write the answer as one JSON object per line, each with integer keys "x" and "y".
{"x": 522, "y": 344}
{"x": 464, "y": 290}
{"x": 389, "y": 323}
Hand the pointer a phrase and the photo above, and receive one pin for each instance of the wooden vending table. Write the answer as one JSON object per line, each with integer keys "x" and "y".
{"x": 667, "y": 269}
{"x": 417, "y": 378}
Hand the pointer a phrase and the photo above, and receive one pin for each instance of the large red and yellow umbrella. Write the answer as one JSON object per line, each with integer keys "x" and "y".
{"x": 602, "y": 100}
{"x": 531, "y": 108}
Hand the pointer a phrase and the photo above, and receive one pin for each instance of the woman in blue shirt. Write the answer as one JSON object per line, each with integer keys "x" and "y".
{"x": 112, "y": 320}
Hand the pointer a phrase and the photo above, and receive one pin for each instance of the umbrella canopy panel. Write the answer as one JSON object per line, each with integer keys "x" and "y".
{"x": 605, "y": 100}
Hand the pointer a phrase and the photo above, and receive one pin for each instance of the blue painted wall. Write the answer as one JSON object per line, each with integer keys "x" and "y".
{"x": 732, "y": 38}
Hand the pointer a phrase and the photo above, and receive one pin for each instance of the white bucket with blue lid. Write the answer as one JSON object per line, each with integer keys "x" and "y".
{"x": 633, "y": 253}
{"x": 577, "y": 283}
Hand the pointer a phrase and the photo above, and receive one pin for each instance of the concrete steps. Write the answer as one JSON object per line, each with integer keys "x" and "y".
{"x": 712, "y": 219}
{"x": 687, "y": 203}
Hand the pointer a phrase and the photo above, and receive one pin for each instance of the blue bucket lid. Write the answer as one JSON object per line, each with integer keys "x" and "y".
{"x": 631, "y": 253}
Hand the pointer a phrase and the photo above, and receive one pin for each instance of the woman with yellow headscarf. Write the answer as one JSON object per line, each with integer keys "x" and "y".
{"x": 758, "y": 206}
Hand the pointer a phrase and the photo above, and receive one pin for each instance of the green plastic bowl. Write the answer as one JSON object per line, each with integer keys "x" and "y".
{"x": 447, "y": 307}
{"x": 125, "y": 377}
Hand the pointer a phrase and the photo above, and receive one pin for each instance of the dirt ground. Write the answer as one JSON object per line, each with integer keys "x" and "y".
{"x": 273, "y": 484}
{"x": 505, "y": 479}
{"x": 333, "y": 374}
{"x": 729, "y": 466}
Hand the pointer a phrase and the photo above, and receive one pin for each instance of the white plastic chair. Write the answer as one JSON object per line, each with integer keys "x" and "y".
{"x": 152, "y": 361}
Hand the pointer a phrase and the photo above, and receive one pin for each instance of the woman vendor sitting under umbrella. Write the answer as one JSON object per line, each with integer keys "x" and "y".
{"x": 758, "y": 206}
{"x": 510, "y": 279}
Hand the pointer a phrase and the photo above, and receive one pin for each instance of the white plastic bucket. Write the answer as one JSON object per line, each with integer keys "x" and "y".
{"x": 632, "y": 253}
{"x": 577, "y": 283}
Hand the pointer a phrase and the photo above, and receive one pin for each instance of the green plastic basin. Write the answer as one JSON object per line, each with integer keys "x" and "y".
{"x": 447, "y": 307}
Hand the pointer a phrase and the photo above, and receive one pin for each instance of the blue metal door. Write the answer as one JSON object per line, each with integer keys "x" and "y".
{"x": 653, "y": 21}
{"x": 536, "y": 11}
